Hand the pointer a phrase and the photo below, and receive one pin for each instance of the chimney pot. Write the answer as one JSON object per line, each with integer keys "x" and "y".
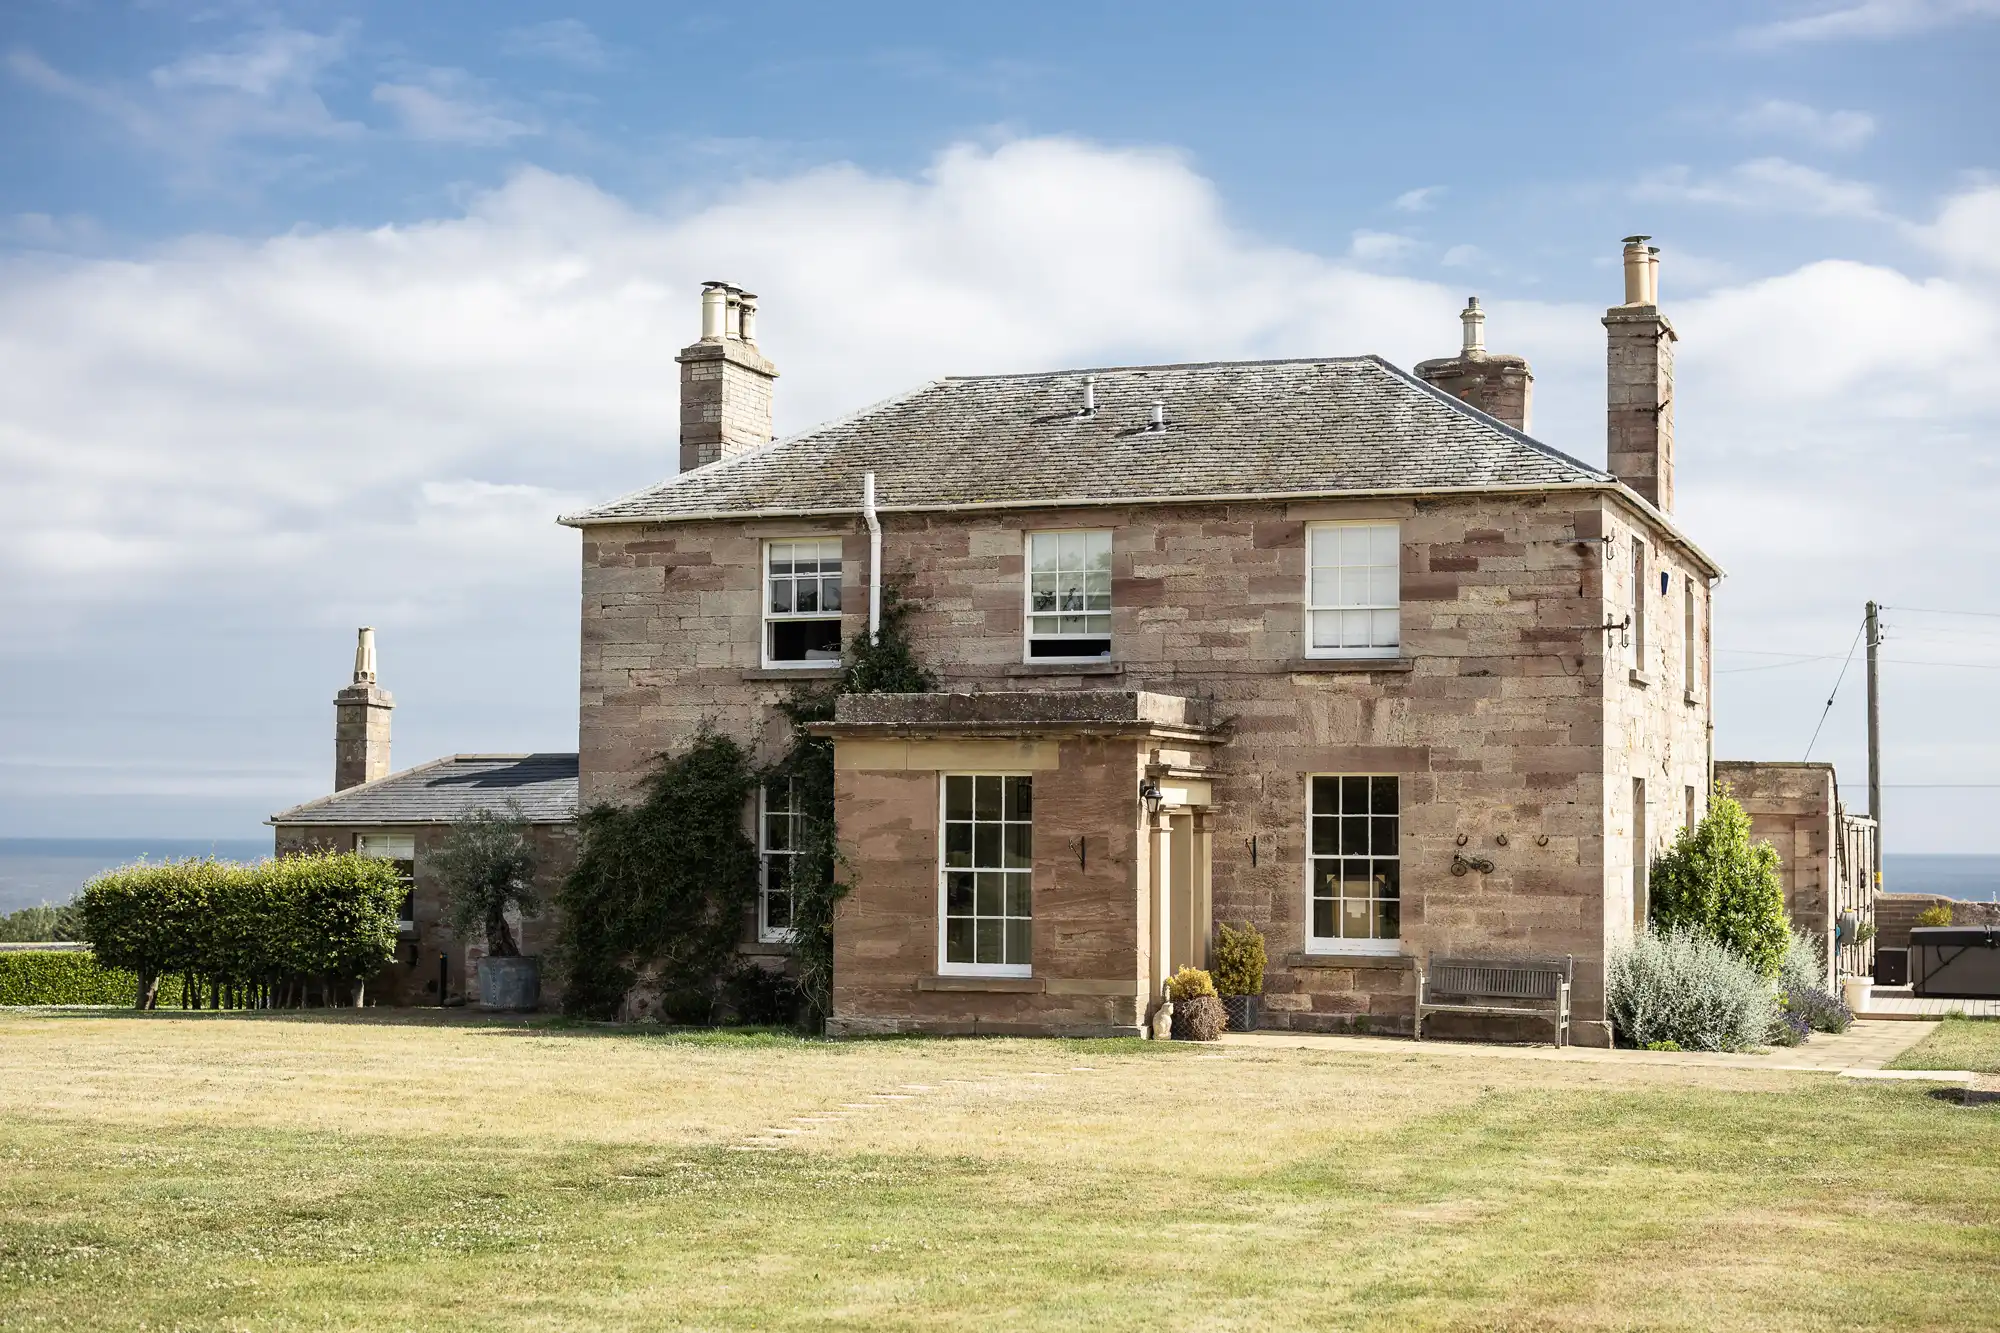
{"x": 714, "y": 319}
{"x": 1636, "y": 265}
{"x": 1473, "y": 319}
{"x": 749, "y": 317}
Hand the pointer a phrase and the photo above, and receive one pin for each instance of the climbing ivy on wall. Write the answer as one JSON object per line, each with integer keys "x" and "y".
{"x": 663, "y": 883}
{"x": 667, "y": 882}
{"x": 887, "y": 665}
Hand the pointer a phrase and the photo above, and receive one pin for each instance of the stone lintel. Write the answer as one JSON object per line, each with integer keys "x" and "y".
{"x": 1138, "y": 712}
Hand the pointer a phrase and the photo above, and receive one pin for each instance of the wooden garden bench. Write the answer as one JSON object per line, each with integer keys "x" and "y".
{"x": 1501, "y": 987}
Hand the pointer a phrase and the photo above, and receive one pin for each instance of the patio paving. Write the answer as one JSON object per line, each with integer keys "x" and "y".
{"x": 1896, "y": 1002}
{"x": 1868, "y": 1044}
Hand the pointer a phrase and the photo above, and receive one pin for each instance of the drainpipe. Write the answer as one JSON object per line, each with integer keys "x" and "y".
{"x": 874, "y": 557}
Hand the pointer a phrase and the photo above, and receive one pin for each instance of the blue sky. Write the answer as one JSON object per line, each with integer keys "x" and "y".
{"x": 315, "y": 315}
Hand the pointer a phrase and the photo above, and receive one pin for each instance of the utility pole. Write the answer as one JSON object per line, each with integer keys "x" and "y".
{"x": 1875, "y": 736}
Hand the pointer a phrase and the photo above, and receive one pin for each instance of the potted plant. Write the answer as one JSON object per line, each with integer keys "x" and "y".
{"x": 1239, "y": 973}
{"x": 1197, "y": 1011}
{"x": 487, "y": 870}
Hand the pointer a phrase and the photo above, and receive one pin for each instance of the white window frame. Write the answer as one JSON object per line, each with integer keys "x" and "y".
{"x": 1314, "y": 608}
{"x": 947, "y": 968}
{"x": 1029, "y": 636}
{"x": 768, "y": 618}
{"x": 1340, "y": 944}
{"x": 766, "y": 932}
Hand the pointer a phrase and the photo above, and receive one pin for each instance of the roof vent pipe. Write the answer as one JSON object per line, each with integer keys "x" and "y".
{"x": 1159, "y": 421}
{"x": 874, "y": 557}
{"x": 1637, "y": 262}
{"x": 1089, "y": 395}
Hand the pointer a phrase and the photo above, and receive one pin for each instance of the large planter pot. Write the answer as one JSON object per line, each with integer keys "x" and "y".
{"x": 510, "y": 983}
{"x": 1242, "y": 1011}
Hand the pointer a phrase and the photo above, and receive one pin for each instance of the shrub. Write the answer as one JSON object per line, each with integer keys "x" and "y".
{"x": 1239, "y": 960}
{"x": 1937, "y": 914}
{"x": 487, "y": 869}
{"x": 1714, "y": 880}
{"x": 1788, "y": 1028}
{"x": 67, "y": 976}
{"x": 40, "y": 925}
{"x": 1803, "y": 966}
{"x": 1681, "y": 986}
{"x": 1818, "y": 1009}
{"x": 1199, "y": 1018}
{"x": 762, "y": 996}
{"x": 1663, "y": 1046}
{"x": 262, "y": 933}
{"x": 1189, "y": 983}
{"x": 664, "y": 882}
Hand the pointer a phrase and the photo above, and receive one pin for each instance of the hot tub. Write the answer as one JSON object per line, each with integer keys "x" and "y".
{"x": 1955, "y": 962}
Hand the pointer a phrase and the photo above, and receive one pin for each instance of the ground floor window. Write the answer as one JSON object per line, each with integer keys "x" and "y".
{"x": 986, "y": 875}
{"x": 402, "y": 849}
{"x": 778, "y": 821}
{"x": 1354, "y": 865}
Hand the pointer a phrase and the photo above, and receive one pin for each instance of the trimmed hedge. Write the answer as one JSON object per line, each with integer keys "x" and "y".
{"x": 271, "y": 935}
{"x": 63, "y": 976}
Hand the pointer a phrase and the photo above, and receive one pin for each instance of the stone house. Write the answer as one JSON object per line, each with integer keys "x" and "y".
{"x": 1319, "y": 644}
{"x": 404, "y": 817}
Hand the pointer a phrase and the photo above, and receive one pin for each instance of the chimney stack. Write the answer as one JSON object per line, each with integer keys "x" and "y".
{"x": 1639, "y": 388}
{"x": 725, "y": 380}
{"x": 361, "y": 721}
{"x": 1497, "y": 384}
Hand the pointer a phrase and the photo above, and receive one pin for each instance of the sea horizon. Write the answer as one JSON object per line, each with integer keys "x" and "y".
{"x": 53, "y": 870}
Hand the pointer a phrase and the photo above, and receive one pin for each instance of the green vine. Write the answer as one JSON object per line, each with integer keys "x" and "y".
{"x": 663, "y": 882}
{"x": 667, "y": 882}
{"x": 820, "y": 879}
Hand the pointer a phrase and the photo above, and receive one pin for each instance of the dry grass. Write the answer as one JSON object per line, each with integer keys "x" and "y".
{"x": 317, "y": 1171}
{"x": 1956, "y": 1043}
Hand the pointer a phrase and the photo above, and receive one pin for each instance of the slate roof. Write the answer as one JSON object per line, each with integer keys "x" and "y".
{"x": 448, "y": 790}
{"x": 1234, "y": 428}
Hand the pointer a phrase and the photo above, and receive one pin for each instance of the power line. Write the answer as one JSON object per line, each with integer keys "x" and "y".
{"x": 1937, "y": 611}
{"x": 1836, "y": 687}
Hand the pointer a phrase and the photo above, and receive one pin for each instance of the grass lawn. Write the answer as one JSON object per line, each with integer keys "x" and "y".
{"x": 1956, "y": 1043}
{"x": 346, "y": 1171}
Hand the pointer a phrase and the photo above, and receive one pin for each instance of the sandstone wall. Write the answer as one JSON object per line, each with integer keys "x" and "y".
{"x": 1500, "y": 718}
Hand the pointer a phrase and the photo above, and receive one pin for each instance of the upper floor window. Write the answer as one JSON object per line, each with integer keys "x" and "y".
{"x": 1639, "y": 603}
{"x": 778, "y": 821}
{"x": 1353, "y": 590}
{"x": 802, "y": 602}
{"x": 986, "y": 918}
{"x": 1069, "y": 595}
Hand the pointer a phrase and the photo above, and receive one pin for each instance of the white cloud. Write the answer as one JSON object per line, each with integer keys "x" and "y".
{"x": 1869, "y": 20}
{"x": 210, "y": 105}
{"x": 1421, "y": 200}
{"x": 1379, "y": 247}
{"x": 450, "y": 106}
{"x": 564, "y": 41}
{"x": 1767, "y": 185}
{"x": 331, "y": 428}
{"x": 1796, "y": 120}
{"x": 1462, "y": 256}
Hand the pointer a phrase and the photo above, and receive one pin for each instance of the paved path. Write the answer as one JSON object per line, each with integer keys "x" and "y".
{"x": 1869, "y": 1044}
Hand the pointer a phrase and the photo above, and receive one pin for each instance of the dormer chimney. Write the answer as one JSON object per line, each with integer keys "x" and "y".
{"x": 725, "y": 380}
{"x": 361, "y": 721}
{"x": 1497, "y": 384}
{"x": 1639, "y": 381}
